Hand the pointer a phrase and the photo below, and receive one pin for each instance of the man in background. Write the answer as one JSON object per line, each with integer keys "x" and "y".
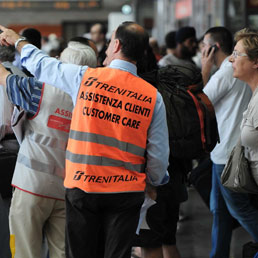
{"x": 181, "y": 47}
{"x": 98, "y": 35}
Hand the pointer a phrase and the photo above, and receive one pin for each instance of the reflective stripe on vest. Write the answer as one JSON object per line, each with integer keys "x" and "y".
{"x": 103, "y": 161}
{"x": 109, "y": 141}
{"x": 46, "y": 140}
{"x": 108, "y": 136}
{"x": 40, "y": 166}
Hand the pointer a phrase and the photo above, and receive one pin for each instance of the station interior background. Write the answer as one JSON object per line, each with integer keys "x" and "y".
{"x": 74, "y": 18}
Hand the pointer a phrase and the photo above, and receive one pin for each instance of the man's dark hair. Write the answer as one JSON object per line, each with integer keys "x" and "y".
{"x": 170, "y": 39}
{"x": 185, "y": 33}
{"x": 223, "y": 36}
{"x": 148, "y": 62}
{"x": 134, "y": 41}
{"x": 7, "y": 53}
{"x": 81, "y": 40}
{"x": 33, "y": 36}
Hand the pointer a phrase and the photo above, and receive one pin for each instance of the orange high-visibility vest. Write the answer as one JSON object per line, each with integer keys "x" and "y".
{"x": 107, "y": 142}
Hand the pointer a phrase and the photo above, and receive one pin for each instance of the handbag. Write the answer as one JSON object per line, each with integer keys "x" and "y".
{"x": 237, "y": 175}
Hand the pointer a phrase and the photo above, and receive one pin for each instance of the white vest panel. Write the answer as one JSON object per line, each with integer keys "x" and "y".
{"x": 40, "y": 166}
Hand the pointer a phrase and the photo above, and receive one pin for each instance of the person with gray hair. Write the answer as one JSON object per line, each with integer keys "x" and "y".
{"x": 78, "y": 53}
{"x": 38, "y": 204}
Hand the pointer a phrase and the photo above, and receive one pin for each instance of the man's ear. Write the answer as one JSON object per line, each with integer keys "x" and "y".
{"x": 117, "y": 45}
{"x": 217, "y": 46}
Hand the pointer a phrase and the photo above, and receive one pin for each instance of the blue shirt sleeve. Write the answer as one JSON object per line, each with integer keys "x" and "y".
{"x": 158, "y": 146}
{"x": 24, "y": 92}
{"x": 47, "y": 69}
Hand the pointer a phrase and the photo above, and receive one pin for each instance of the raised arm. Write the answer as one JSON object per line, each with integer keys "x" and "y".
{"x": 47, "y": 69}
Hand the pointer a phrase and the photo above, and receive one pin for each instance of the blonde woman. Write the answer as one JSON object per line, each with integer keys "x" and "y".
{"x": 244, "y": 61}
{"x": 245, "y": 67}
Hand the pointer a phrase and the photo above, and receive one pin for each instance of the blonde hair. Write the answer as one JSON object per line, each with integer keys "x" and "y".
{"x": 249, "y": 40}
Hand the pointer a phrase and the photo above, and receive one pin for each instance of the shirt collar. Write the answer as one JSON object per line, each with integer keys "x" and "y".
{"x": 124, "y": 65}
{"x": 225, "y": 62}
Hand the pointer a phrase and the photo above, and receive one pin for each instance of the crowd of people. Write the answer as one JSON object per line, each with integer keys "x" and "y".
{"x": 92, "y": 141}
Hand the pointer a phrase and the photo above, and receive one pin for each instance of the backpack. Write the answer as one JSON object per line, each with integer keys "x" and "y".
{"x": 191, "y": 117}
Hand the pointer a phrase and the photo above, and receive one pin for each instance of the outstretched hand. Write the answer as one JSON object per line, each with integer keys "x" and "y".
{"x": 8, "y": 37}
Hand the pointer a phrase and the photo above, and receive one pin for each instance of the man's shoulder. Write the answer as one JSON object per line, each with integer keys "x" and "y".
{"x": 223, "y": 83}
{"x": 171, "y": 59}
{"x": 223, "y": 75}
{"x": 168, "y": 59}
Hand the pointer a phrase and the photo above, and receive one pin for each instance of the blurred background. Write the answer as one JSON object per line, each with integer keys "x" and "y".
{"x": 66, "y": 19}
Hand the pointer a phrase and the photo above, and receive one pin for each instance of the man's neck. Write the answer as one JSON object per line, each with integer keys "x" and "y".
{"x": 121, "y": 57}
{"x": 170, "y": 51}
{"x": 220, "y": 57}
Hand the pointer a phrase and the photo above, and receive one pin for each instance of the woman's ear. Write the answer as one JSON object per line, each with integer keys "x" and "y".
{"x": 255, "y": 65}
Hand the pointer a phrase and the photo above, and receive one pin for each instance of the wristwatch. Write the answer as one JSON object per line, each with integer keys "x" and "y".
{"x": 18, "y": 41}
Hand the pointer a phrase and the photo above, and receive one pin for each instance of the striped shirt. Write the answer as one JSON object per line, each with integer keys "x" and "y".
{"x": 24, "y": 92}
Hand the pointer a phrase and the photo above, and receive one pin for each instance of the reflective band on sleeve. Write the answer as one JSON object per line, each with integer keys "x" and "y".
{"x": 109, "y": 141}
{"x": 39, "y": 166}
{"x": 103, "y": 161}
{"x": 46, "y": 141}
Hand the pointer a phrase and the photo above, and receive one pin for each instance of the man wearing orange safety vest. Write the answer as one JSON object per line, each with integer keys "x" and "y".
{"x": 118, "y": 141}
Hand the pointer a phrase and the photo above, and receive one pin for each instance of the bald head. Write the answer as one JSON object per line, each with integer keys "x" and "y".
{"x": 134, "y": 40}
{"x": 134, "y": 27}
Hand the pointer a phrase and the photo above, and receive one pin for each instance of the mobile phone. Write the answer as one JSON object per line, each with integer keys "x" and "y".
{"x": 215, "y": 48}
